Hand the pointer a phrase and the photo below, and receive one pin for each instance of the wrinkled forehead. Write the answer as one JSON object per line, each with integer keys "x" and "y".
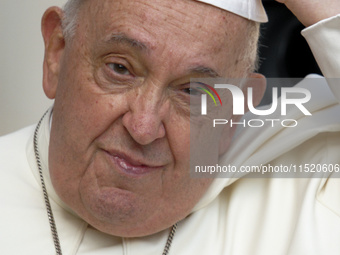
{"x": 186, "y": 17}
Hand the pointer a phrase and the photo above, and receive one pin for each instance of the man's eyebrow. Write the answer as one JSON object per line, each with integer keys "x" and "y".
{"x": 206, "y": 71}
{"x": 123, "y": 38}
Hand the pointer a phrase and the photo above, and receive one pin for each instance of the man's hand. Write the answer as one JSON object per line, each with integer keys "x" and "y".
{"x": 310, "y": 12}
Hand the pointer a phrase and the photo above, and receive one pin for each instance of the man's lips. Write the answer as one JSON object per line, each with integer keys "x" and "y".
{"x": 131, "y": 166}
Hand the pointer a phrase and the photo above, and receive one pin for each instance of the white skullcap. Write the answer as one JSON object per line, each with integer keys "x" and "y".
{"x": 249, "y": 9}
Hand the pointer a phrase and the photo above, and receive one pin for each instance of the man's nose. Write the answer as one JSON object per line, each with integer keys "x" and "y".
{"x": 146, "y": 116}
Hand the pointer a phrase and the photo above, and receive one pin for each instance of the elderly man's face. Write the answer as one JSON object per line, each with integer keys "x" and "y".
{"x": 119, "y": 148}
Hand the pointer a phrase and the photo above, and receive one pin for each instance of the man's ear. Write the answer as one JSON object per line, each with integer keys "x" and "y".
{"x": 258, "y": 83}
{"x": 54, "y": 46}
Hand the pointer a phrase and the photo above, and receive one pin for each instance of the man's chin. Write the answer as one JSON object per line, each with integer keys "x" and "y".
{"x": 119, "y": 213}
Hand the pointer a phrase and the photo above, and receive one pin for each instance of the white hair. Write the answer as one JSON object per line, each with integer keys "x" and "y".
{"x": 69, "y": 22}
{"x": 251, "y": 51}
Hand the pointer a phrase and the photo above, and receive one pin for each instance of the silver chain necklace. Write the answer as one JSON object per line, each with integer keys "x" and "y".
{"x": 48, "y": 205}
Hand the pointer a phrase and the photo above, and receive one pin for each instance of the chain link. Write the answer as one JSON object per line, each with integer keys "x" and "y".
{"x": 47, "y": 200}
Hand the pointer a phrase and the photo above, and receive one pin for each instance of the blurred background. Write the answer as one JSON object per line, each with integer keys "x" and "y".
{"x": 22, "y": 101}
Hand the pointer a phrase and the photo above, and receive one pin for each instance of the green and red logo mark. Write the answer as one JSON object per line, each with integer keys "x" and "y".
{"x": 204, "y": 96}
{"x": 213, "y": 90}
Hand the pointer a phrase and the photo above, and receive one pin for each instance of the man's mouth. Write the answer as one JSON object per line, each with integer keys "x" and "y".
{"x": 129, "y": 165}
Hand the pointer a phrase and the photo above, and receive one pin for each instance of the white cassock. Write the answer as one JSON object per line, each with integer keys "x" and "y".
{"x": 247, "y": 216}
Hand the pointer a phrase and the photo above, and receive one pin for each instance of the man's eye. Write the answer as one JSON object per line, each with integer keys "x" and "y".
{"x": 192, "y": 91}
{"x": 118, "y": 68}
